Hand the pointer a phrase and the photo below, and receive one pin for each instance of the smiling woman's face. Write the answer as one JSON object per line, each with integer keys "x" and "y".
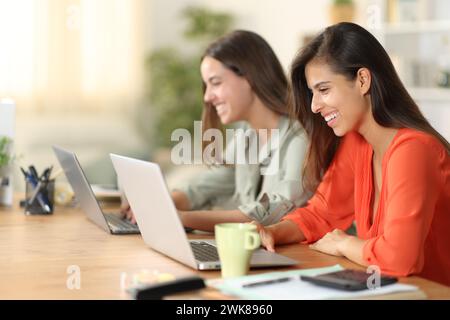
{"x": 230, "y": 94}
{"x": 342, "y": 103}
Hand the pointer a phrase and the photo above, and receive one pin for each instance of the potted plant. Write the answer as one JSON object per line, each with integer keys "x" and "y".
{"x": 174, "y": 96}
{"x": 342, "y": 11}
{"x": 6, "y": 160}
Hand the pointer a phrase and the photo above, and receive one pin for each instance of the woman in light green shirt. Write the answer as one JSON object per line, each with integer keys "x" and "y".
{"x": 242, "y": 192}
{"x": 243, "y": 81}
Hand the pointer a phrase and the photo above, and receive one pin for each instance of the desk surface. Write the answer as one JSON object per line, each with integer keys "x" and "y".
{"x": 36, "y": 252}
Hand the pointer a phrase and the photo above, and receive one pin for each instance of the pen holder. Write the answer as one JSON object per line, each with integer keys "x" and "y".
{"x": 39, "y": 199}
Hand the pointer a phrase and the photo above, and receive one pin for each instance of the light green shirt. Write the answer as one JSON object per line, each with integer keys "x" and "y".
{"x": 236, "y": 187}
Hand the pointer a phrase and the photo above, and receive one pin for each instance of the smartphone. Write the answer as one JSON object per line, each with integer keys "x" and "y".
{"x": 349, "y": 280}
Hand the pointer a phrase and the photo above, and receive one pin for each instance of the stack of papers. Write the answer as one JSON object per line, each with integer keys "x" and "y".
{"x": 297, "y": 289}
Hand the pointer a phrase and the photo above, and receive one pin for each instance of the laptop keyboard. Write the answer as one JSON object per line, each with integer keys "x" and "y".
{"x": 204, "y": 251}
{"x": 116, "y": 221}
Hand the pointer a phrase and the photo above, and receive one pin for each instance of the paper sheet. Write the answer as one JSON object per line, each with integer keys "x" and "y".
{"x": 297, "y": 289}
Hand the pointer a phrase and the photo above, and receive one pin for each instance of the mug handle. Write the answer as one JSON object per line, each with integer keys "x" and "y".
{"x": 252, "y": 240}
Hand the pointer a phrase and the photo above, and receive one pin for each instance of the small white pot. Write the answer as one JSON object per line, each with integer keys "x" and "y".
{"x": 6, "y": 186}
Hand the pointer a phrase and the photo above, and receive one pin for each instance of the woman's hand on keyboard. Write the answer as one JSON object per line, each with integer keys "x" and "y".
{"x": 127, "y": 213}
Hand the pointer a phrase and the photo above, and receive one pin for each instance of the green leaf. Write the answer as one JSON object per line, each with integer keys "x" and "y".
{"x": 342, "y": 2}
{"x": 5, "y": 157}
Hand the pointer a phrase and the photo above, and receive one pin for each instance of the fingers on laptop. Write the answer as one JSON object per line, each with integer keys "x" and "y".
{"x": 128, "y": 214}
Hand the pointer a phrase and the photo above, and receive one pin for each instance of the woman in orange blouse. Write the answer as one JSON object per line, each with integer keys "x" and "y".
{"x": 373, "y": 158}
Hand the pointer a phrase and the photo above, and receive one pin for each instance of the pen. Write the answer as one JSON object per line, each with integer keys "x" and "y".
{"x": 266, "y": 282}
{"x": 31, "y": 179}
{"x": 24, "y": 173}
{"x": 46, "y": 174}
{"x": 37, "y": 189}
{"x": 33, "y": 172}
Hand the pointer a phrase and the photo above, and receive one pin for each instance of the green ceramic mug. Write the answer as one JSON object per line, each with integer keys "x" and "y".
{"x": 235, "y": 245}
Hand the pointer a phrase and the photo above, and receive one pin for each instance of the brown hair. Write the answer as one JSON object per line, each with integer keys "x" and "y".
{"x": 248, "y": 55}
{"x": 347, "y": 47}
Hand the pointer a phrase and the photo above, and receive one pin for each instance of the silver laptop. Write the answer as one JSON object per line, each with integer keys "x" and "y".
{"x": 160, "y": 226}
{"x": 110, "y": 222}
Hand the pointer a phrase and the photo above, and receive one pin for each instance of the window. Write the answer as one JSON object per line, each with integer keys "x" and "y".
{"x": 71, "y": 54}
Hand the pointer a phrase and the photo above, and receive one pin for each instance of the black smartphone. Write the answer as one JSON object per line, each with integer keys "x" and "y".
{"x": 349, "y": 280}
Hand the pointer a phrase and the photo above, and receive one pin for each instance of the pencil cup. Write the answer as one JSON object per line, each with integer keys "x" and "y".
{"x": 39, "y": 198}
{"x": 235, "y": 245}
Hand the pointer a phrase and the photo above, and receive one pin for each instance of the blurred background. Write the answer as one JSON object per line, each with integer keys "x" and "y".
{"x": 101, "y": 76}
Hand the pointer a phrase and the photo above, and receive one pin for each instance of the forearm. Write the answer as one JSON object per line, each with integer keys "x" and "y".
{"x": 352, "y": 249}
{"x": 206, "y": 220}
{"x": 181, "y": 201}
{"x": 286, "y": 232}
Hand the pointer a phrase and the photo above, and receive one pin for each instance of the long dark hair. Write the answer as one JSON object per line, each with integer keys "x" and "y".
{"x": 248, "y": 55}
{"x": 347, "y": 47}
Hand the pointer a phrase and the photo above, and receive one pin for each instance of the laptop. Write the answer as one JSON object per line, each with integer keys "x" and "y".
{"x": 110, "y": 222}
{"x": 160, "y": 226}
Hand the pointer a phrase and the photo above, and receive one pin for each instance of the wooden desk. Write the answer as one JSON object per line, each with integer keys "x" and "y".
{"x": 36, "y": 251}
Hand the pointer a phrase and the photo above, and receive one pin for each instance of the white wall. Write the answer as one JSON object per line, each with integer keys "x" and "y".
{"x": 92, "y": 136}
{"x": 281, "y": 23}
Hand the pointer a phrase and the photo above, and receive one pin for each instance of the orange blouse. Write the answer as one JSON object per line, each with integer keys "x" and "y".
{"x": 410, "y": 233}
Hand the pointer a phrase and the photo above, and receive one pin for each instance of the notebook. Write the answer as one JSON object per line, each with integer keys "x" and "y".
{"x": 297, "y": 289}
